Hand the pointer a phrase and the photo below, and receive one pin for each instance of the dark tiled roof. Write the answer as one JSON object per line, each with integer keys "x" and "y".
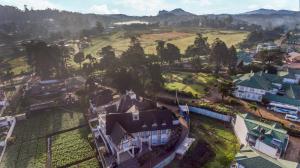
{"x": 126, "y": 103}
{"x": 149, "y": 120}
{"x": 117, "y": 133}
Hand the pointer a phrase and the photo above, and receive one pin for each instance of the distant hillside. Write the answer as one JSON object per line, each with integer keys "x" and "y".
{"x": 42, "y": 23}
{"x": 176, "y": 12}
{"x": 270, "y": 12}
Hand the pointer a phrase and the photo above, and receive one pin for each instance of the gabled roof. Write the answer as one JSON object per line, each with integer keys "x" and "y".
{"x": 250, "y": 158}
{"x": 293, "y": 91}
{"x": 259, "y": 80}
{"x": 117, "y": 133}
{"x": 282, "y": 99}
{"x": 269, "y": 130}
{"x": 244, "y": 57}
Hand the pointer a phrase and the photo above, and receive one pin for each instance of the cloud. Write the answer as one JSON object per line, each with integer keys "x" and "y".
{"x": 102, "y": 9}
{"x": 151, "y": 7}
{"x": 198, "y": 2}
{"x": 35, "y": 4}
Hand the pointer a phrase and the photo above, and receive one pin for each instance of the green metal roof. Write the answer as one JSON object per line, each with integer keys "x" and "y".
{"x": 245, "y": 57}
{"x": 249, "y": 158}
{"x": 272, "y": 130}
{"x": 282, "y": 99}
{"x": 259, "y": 80}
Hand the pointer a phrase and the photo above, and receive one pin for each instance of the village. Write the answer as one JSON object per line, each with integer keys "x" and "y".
{"x": 137, "y": 94}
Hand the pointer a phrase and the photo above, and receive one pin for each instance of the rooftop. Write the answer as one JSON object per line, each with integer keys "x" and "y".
{"x": 250, "y": 158}
{"x": 268, "y": 130}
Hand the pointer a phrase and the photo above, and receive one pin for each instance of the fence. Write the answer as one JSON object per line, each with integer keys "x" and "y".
{"x": 207, "y": 113}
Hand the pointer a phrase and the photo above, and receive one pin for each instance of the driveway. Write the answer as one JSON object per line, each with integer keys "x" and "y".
{"x": 293, "y": 151}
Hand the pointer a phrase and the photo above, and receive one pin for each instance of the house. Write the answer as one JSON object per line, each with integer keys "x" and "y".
{"x": 253, "y": 86}
{"x": 293, "y": 57}
{"x": 132, "y": 125}
{"x": 279, "y": 92}
{"x": 266, "y": 137}
{"x": 292, "y": 76}
{"x": 46, "y": 88}
{"x": 244, "y": 58}
{"x": 266, "y": 47}
{"x": 250, "y": 158}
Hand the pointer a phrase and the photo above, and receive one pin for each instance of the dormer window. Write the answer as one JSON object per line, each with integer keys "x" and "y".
{"x": 154, "y": 125}
{"x": 135, "y": 116}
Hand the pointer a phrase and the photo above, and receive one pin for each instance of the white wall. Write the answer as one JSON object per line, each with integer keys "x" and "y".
{"x": 240, "y": 130}
{"x": 266, "y": 149}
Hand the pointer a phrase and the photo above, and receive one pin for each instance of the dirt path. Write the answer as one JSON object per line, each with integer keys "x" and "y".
{"x": 269, "y": 115}
{"x": 293, "y": 150}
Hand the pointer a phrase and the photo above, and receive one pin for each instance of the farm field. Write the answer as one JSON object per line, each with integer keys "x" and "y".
{"x": 196, "y": 84}
{"x": 220, "y": 138}
{"x": 71, "y": 147}
{"x": 30, "y": 146}
{"x": 148, "y": 41}
{"x": 18, "y": 65}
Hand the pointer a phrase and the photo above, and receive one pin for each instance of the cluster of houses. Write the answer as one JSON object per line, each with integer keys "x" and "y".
{"x": 280, "y": 92}
{"x": 130, "y": 126}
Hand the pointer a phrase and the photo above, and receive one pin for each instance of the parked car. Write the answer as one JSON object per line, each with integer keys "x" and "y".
{"x": 291, "y": 117}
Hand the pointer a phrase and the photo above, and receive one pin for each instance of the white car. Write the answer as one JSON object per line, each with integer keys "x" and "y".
{"x": 291, "y": 117}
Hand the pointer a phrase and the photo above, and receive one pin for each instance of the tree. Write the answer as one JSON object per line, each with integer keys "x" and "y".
{"x": 134, "y": 56}
{"x": 99, "y": 27}
{"x": 273, "y": 57}
{"x": 45, "y": 59}
{"x": 225, "y": 88}
{"x": 172, "y": 53}
{"x": 108, "y": 58}
{"x": 79, "y": 58}
{"x": 160, "y": 49}
{"x": 199, "y": 48}
{"x": 218, "y": 54}
{"x": 197, "y": 63}
{"x": 156, "y": 79}
{"x": 232, "y": 58}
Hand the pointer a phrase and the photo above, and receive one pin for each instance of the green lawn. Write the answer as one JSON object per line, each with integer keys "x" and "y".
{"x": 70, "y": 147}
{"x": 148, "y": 41}
{"x": 30, "y": 148}
{"x": 18, "y": 65}
{"x": 189, "y": 83}
{"x": 220, "y": 138}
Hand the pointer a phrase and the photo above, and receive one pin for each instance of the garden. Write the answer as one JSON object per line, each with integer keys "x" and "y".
{"x": 71, "y": 148}
{"x": 29, "y": 148}
{"x": 188, "y": 84}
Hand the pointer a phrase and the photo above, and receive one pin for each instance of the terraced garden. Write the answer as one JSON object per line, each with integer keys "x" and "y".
{"x": 30, "y": 147}
{"x": 71, "y": 148}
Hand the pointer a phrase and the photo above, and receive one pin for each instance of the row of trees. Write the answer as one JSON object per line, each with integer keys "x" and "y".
{"x": 219, "y": 54}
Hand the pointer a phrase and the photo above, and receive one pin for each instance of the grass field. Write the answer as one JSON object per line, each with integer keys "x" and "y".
{"x": 70, "y": 147}
{"x": 148, "y": 41}
{"x": 30, "y": 147}
{"x": 220, "y": 138}
{"x": 189, "y": 83}
{"x": 18, "y": 65}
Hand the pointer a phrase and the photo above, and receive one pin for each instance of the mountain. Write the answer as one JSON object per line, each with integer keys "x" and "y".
{"x": 176, "y": 12}
{"x": 270, "y": 12}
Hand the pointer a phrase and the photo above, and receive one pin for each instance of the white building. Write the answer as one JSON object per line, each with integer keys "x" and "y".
{"x": 280, "y": 92}
{"x": 130, "y": 125}
{"x": 266, "y": 47}
{"x": 268, "y": 138}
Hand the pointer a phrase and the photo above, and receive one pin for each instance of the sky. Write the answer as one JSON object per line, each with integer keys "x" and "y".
{"x": 152, "y": 7}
